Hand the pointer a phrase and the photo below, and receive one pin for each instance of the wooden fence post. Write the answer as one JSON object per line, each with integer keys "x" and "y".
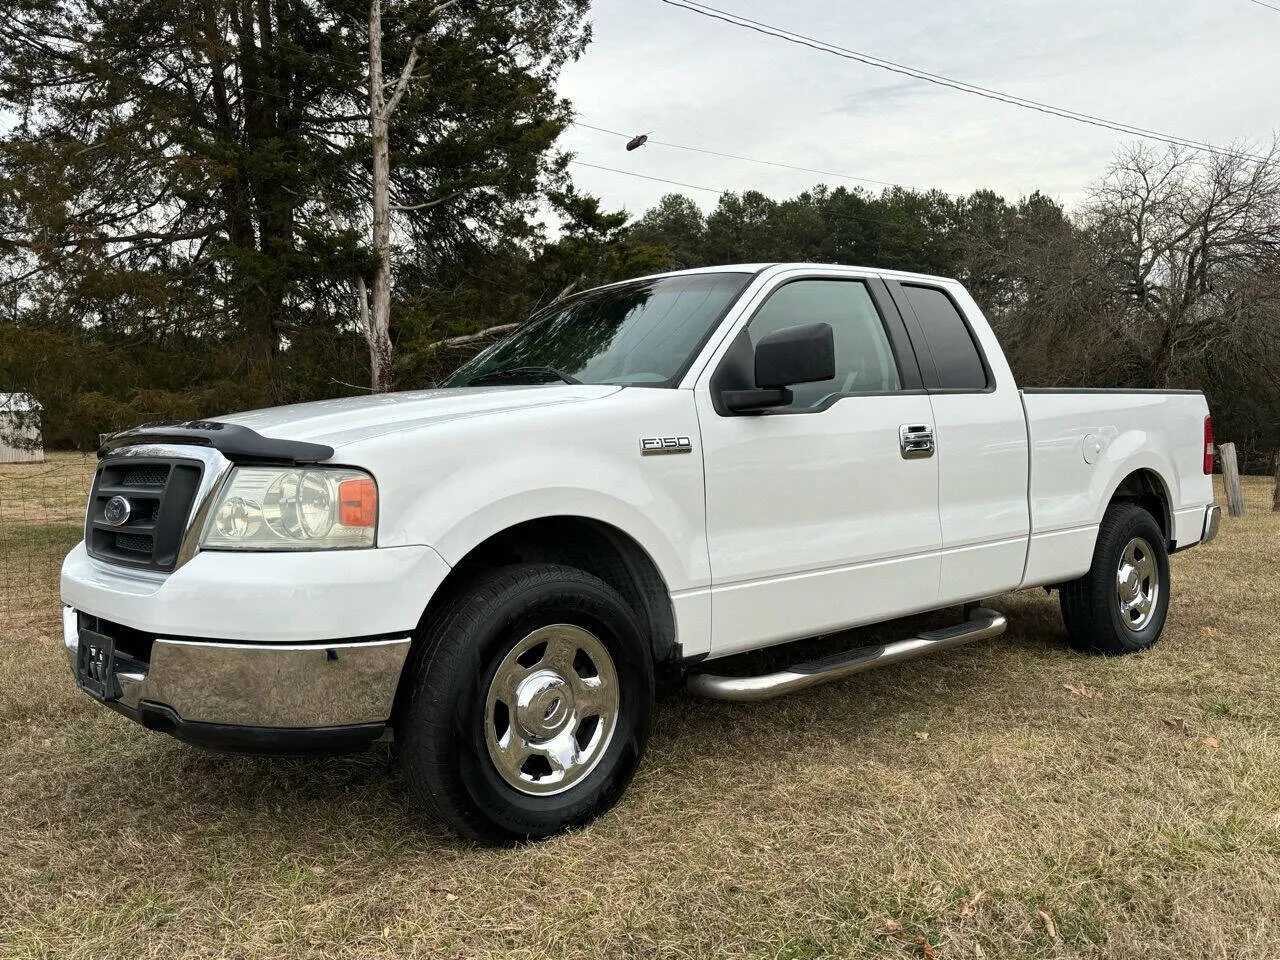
{"x": 1231, "y": 477}
{"x": 1275, "y": 494}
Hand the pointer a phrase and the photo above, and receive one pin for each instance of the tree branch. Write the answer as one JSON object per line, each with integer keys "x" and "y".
{"x": 144, "y": 237}
{"x": 453, "y": 343}
{"x": 427, "y": 205}
{"x": 402, "y": 82}
{"x": 431, "y": 203}
{"x": 362, "y": 289}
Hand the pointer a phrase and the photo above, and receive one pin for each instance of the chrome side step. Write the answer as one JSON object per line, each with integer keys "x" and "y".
{"x": 981, "y": 625}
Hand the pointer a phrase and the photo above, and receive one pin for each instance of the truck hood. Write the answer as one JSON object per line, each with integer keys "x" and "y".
{"x": 346, "y": 420}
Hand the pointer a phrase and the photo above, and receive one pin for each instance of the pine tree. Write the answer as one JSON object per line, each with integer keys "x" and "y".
{"x": 205, "y": 167}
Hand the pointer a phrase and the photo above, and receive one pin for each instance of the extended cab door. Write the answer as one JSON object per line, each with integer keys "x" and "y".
{"x": 816, "y": 517}
{"x": 981, "y": 435}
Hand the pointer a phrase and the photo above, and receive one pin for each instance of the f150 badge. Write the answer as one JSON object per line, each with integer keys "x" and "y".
{"x": 655, "y": 445}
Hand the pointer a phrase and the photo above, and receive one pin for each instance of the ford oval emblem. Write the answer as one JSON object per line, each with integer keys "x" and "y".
{"x": 117, "y": 511}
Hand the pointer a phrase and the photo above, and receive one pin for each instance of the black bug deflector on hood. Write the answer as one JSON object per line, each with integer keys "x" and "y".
{"x": 237, "y": 443}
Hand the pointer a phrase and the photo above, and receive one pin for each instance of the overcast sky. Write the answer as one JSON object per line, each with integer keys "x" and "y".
{"x": 1204, "y": 69}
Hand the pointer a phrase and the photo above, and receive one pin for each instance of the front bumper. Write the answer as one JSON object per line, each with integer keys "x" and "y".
{"x": 274, "y": 697}
{"x": 268, "y": 597}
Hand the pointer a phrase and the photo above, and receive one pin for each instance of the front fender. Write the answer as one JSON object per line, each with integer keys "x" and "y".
{"x": 454, "y": 486}
{"x": 659, "y": 524}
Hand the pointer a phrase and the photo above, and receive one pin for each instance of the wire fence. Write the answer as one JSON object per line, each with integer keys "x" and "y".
{"x": 41, "y": 518}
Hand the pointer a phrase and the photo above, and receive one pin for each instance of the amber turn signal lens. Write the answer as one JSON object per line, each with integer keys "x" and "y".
{"x": 358, "y": 502}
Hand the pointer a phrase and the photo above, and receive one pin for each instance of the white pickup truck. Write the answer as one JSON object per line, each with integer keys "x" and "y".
{"x": 639, "y": 480}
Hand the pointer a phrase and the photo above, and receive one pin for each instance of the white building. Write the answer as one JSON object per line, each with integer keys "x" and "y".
{"x": 20, "y": 440}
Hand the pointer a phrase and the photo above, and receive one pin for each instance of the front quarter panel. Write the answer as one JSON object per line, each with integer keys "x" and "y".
{"x": 453, "y": 486}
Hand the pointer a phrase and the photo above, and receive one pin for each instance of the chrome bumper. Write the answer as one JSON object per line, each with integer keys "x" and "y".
{"x": 1212, "y": 520}
{"x": 277, "y": 686}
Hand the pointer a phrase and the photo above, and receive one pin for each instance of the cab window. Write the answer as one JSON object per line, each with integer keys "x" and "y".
{"x": 948, "y": 338}
{"x": 864, "y": 359}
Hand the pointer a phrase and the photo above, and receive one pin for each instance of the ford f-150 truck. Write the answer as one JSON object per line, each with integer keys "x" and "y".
{"x": 640, "y": 479}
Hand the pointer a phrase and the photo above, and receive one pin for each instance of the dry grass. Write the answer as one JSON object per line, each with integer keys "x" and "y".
{"x": 1135, "y": 815}
{"x": 41, "y": 518}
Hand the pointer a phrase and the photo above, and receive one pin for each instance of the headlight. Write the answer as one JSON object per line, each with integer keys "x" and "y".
{"x": 294, "y": 508}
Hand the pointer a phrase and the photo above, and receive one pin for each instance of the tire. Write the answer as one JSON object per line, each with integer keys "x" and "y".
{"x": 1119, "y": 606}
{"x": 522, "y": 660}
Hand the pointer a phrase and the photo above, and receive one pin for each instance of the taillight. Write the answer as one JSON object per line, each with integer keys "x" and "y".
{"x": 1208, "y": 445}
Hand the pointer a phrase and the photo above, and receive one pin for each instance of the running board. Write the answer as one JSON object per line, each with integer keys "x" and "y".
{"x": 981, "y": 625}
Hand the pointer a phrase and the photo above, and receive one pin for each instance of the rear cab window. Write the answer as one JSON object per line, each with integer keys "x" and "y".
{"x": 948, "y": 339}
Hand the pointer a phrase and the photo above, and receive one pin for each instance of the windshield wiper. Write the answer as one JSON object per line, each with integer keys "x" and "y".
{"x": 504, "y": 373}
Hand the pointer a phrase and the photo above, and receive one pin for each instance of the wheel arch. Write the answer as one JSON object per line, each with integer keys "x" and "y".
{"x": 1146, "y": 488}
{"x": 588, "y": 544}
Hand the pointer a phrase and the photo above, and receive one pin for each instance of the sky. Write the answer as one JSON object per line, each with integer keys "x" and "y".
{"x": 1208, "y": 70}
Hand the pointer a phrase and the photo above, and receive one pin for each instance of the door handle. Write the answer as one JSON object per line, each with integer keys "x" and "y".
{"x": 915, "y": 440}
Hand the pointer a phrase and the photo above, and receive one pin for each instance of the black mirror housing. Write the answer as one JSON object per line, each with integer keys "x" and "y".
{"x": 804, "y": 354}
{"x": 749, "y": 401}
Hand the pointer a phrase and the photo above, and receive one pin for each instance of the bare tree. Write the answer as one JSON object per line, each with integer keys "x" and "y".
{"x": 375, "y": 303}
{"x": 1181, "y": 234}
{"x": 1169, "y": 276}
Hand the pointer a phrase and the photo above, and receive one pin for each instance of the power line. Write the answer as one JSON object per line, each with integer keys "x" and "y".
{"x": 1267, "y": 5}
{"x": 964, "y": 87}
{"x": 734, "y": 156}
{"x": 645, "y": 176}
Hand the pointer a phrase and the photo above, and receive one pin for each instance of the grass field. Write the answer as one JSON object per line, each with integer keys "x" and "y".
{"x": 1008, "y": 799}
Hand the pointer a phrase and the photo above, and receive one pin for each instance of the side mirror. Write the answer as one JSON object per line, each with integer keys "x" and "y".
{"x": 803, "y": 354}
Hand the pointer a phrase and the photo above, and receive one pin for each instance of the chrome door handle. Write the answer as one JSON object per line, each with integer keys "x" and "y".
{"x": 915, "y": 440}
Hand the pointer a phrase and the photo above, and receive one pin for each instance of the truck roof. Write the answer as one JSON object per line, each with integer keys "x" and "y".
{"x": 757, "y": 267}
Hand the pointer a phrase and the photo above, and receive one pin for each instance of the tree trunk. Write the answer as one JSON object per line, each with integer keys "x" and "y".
{"x": 377, "y": 329}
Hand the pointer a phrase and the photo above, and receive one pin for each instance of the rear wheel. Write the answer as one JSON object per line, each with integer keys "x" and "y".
{"x": 529, "y": 704}
{"x": 1119, "y": 606}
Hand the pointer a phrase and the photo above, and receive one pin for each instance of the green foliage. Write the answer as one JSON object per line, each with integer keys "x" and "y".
{"x": 673, "y": 230}
{"x": 184, "y": 188}
{"x": 898, "y": 229}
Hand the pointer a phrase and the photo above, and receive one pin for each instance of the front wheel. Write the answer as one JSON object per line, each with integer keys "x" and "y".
{"x": 1120, "y": 605}
{"x": 529, "y": 704}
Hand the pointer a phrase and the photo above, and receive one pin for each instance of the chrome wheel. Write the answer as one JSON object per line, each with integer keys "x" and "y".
{"x": 551, "y": 709}
{"x": 1137, "y": 584}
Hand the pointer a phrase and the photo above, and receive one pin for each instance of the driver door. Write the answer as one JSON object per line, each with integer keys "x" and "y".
{"x": 817, "y": 519}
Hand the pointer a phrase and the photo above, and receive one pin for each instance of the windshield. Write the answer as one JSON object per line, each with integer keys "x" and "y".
{"x": 642, "y": 333}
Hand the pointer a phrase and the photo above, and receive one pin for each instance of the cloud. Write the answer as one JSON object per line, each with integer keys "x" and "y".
{"x": 873, "y": 100}
{"x": 1201, "y": 70}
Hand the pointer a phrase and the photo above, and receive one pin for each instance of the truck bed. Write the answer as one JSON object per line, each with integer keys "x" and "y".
{"x": 1084, "y": 443}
